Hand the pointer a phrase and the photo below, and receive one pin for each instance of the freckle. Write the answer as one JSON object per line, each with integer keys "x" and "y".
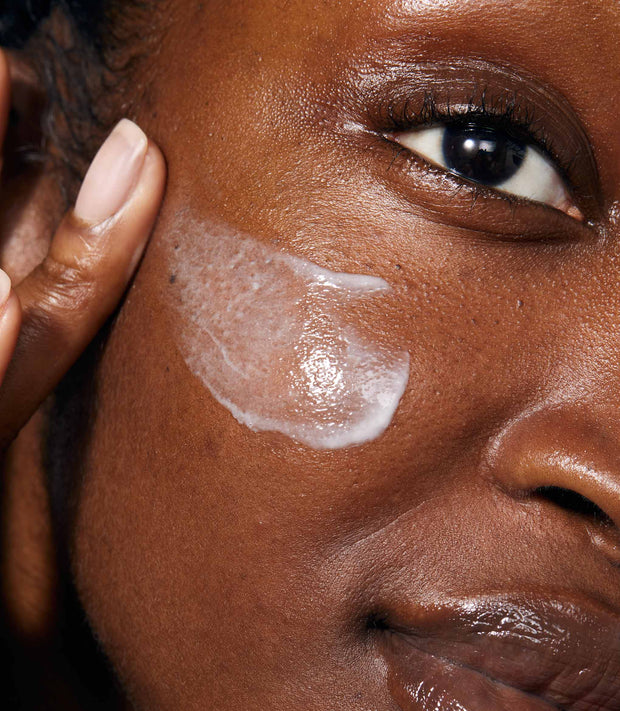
{"x": 173, "y": 278}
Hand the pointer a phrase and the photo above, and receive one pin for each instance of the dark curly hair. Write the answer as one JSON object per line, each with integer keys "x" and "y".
{"x": 81, "y": 67}
{"x": 20, "y": 18}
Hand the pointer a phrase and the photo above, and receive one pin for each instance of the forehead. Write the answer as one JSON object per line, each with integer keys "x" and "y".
{"x": 571, "y": 45}
{"x": 591, "y": 24}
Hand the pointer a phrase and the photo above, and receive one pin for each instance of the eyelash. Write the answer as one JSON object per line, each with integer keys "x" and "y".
{"x": 520, "y": 122}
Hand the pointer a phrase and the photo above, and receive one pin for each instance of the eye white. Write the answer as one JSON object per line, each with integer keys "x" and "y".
{"x": 536, "y": 178}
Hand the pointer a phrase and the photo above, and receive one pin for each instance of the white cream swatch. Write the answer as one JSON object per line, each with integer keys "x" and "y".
{"x": 274, "y": 339}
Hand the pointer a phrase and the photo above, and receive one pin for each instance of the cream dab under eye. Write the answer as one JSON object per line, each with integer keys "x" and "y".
{"x": 491, "y": 157}
{"x": 281, "y": 342}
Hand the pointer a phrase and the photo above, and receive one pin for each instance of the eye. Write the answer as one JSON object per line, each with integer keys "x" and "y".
{"x": 492, "y": 157}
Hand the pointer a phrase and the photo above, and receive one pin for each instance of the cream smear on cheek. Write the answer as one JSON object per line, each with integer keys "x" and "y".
{"x": 280, "y": 342}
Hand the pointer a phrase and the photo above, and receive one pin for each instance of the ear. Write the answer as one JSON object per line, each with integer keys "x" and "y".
{"x": 31, "y": 185}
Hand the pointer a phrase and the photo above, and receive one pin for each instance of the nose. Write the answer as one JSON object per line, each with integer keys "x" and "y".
{"x": 567, "y": 456}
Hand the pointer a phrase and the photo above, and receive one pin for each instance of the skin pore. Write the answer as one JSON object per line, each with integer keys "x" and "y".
{"x": 224, "y": 568}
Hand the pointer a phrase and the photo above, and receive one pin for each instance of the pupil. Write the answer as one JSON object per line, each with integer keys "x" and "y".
{"x": 485, "y": 155}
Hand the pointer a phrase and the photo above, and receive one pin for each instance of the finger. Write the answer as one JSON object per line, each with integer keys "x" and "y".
{"x": 67, "y": 298}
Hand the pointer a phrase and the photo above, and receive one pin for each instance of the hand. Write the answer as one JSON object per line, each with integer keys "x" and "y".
{"x": 48, "y": 319}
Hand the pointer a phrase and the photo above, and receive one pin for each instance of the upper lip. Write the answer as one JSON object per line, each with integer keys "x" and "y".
{"x": 565, "y": 652}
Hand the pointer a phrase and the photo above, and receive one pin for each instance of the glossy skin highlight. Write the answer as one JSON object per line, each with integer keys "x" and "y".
{"x": 282, "y": 344}
{"x": 226, "y": 569}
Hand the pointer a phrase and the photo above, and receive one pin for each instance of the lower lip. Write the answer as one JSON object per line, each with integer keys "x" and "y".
{"x": 447, "y": 686}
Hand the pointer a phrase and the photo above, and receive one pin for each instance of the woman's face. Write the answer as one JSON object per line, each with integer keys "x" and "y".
{"x": 465, "y": 553}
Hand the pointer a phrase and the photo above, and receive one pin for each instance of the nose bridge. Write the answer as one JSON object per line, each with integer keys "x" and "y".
{"x": 568, "y": 446}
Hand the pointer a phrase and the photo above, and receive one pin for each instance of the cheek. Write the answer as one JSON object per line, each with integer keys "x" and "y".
{"x": 201, "y": 545}
{"x": 283, "y": 344}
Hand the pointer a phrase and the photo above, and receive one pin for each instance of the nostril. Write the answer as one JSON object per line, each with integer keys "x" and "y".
{"x": 601, "y": 528}
{"x": 575, "y": 503}
{"x": 568, "y": 455}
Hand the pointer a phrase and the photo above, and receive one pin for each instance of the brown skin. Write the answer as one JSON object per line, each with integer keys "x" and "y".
{"x": 226, "y": 569}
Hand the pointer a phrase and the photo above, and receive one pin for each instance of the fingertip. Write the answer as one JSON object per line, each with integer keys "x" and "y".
{"x": 138, "y": 216}
{"x": 128, "y": 171}
{"x": 5, "y": 286}
{"x": 157, "y": 157}
{"x": 112, "y": 175}
{"x": 121, "y": 237}
{"x": 150, "y": 187}
{"x": 10, "y": 312}
{"x": 10, "y": 308}
{"x": 154, "y": 169}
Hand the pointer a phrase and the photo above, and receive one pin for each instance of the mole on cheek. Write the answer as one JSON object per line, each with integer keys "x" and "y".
{"x": 280, "y": 342}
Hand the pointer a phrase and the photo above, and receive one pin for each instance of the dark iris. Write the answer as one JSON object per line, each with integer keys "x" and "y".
{"x": 483, "y": 154}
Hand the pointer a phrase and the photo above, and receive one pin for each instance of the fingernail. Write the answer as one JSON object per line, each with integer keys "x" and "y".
{"x": 5, "y": 286}
{"x": 112, "y": 174}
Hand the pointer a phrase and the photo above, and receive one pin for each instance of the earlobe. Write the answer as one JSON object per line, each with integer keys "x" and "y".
{"x": 31, "y": 196}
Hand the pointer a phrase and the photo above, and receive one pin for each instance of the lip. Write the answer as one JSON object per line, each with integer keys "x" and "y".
{"x": 504, "y": 652}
